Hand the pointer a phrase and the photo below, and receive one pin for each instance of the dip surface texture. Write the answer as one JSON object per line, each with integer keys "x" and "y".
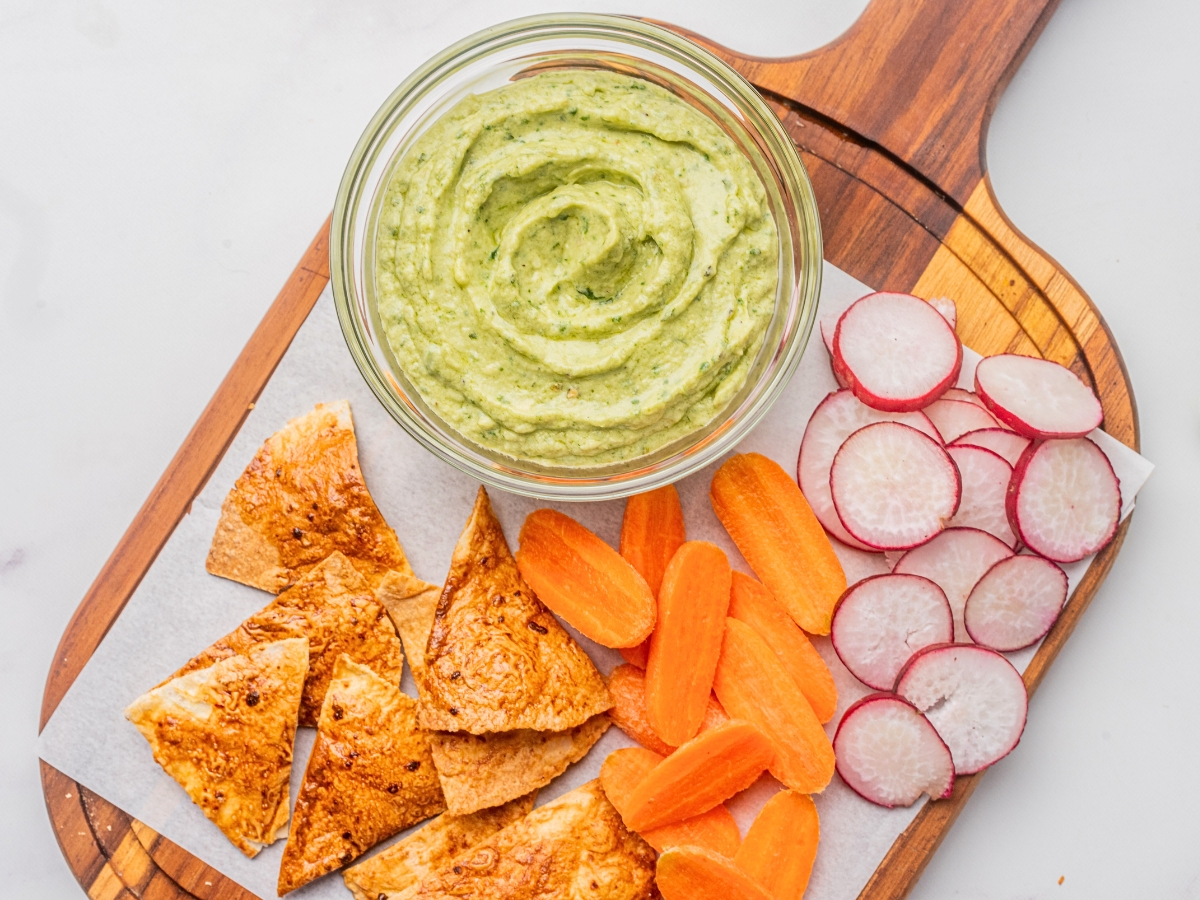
{"x": 575, "y": 269}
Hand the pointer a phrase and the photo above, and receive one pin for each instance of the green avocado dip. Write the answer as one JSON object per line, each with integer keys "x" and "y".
{"x": 576, "y": 268}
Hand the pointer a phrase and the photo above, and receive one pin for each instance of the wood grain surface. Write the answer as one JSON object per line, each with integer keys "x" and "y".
{"x": 891, "y": 122}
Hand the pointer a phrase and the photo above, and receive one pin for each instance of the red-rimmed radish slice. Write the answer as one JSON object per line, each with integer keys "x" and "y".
{"x": 1015, "y": 603}
{"x": 965, "y": 396}
{"x": 881, "y": 622}
{"x": 985, "y": 476}
{"x": 973, "y": 697}
{"x": 896, "y": 352}
{"x": 955, "y": 560}
{"x": 1064, "y": 499}
{"x": 946, "y": 308}
{"x": 1007, "y": 444}
{"x": 892, "y": 486}
{"x": 890, "y": 754}
{"x": 954, "y": 418}
{"x": 828, "y": 325}
{"x": 836, "y": 418}
{"x": 1036, "y": 397}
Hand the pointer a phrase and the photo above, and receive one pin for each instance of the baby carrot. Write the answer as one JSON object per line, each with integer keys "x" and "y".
{"x": 627, "y": 687}
{"x": 651, "y": 532}
{"x": 781, "y": 844}
{"x": 693, "y": 873}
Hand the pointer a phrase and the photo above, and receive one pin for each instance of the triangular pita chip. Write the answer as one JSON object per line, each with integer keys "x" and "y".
{"x": 334, "y": 607}
{"x": 301, "y": 498}
{"x": 396, "y": 872}
{"x": 225, "y": 734}
{"x": 478, "y": 771}
{"x": 370, "y": 776}
{"x": 575, "y": 846}
{"x": 497, "y": 659}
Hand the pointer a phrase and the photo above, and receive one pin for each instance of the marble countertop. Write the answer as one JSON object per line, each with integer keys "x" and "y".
{"x": 163, "y": 166}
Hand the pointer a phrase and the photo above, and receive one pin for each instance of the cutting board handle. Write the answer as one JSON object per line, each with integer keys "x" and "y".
{"x": 919, "y": 78}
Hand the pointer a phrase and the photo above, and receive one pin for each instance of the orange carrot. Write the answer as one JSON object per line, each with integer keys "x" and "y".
{"x": 627, "y": 687}
{"x": 651, "y": 532}
{"x": 636, "y": 656}
{"x": 768, "y": 518}
{"x": 781, "y": 845}
{"x": 584, "y": 580}
{"x": 714, "y": 830}
{"x": 692, "y": 606}
{"x": 707, "y": 770}
{"x": 693, "y": 873}
{"x": 753, "y": 604}
{"x": 753, "y": 685}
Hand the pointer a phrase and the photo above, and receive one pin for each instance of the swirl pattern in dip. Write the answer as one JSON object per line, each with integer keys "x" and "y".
{"x": 575, "y": 269}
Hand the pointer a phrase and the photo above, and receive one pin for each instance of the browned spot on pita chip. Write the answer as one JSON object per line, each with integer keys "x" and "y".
{"x": 482, "y": 770}
{"x": 396, "y": 872}
{"x": 334, "y": 607}
{"x": 497, "y": 660}
{"x": 301, "y": 498}
{"x": 225, "y": 734}
{"x": 370, "y": 776}
{"x": 575, "y": 846}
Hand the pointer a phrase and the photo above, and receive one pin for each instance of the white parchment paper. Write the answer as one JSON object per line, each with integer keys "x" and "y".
{"x": 179, "y": 609}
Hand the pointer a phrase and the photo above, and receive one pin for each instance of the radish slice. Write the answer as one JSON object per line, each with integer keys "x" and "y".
{"x": 954, "y": 418}
{"x": 1064, "y": 500}
{"x": 896, "y": 352}
{"x": 828, "y": 324}
{"x": 890, "y": 754}
{"x": 973, "y": 697}
{"x": 965, "y": 396}
{"x": 946, "y": 308}
{"x": 1008, "y": 444}
{"x": 985, "y": 478}
{"x": 1036, "y": 397}
{"x": 881, "y": 622}
{"x": 836, "y": 418}
{"x": 955, "y": 560}
{"x": 1015, "y": 603}
{"x": 893, "y": 487}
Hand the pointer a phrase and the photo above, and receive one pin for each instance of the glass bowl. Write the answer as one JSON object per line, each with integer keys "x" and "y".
{"x": 495, "y": 57}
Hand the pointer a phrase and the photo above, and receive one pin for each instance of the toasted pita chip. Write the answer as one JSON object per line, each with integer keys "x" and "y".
{"x": 225, "y": 734}
{"x": 411, "y": 603}
{"x": 396, "y": 872}
{"x": 497, "y": 660}
{"x": 575, "y": 846}
{"x": 370, "y": 776}
{"x": 334, "y": 607}
{"x": 482, "y": 770}
{"x": 301, "y": 498}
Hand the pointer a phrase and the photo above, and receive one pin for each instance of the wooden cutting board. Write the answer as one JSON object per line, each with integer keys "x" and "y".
{"x": 891, "y": 121}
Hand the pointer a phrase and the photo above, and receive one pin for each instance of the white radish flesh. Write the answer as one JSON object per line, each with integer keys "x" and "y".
{"x": 965, "y": 396}
{"x": 881, "y": 622}
{"x": 893, "y": 487}
{"x": 947, "y": 309}
{"x": 1008, "y": 444}
{"x": 973, "y": 697}
{"x": 955, "y": 560}
{"x": 985, "y": 477}
{"x": 1036, "y": 397}
{"x": 1064, "y": 500}
{"x": 890, "y": 754}
{"x": 954, "y": 418}
{"x": 1015, "y": 603}
{"x": 836, "y": 418}
{"x": 896, "y": 352}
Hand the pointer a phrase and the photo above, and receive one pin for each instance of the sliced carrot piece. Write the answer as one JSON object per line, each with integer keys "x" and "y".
{"x": 627, "y": 687}
{"x": 781, "y": 845}
{"x": 692, "y": 606}
{"x": 768, "y": 518}
{"x": 753, "y": 685}
{"x": 584, "y": 580}
{"x": 753, "y": 604}
{"x": 715, "y": 830}
{"x": 707, "y": 770}
{"x": 636, "y": 656}
{"x": 652, "y": 531}
{"x": 693, "y": 873}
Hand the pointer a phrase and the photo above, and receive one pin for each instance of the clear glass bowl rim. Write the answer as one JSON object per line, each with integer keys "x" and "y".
{"x": 774, "y": 143}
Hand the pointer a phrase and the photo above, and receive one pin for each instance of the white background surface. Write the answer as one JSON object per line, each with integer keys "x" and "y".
{"x": 163, "y": 166}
